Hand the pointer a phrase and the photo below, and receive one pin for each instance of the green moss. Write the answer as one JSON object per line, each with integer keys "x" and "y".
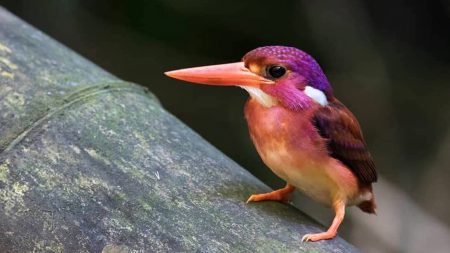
{"x": 4, "y": 48}
{"x": 12, "y": 198}
{"x": 97, "y": 156}
{"x": 111, "y": 248}
{"x": 48, "y": 246}
{"x": 4, "y": 172}
{"x": 20, "y": 189}
{"x": 120, "y": 197}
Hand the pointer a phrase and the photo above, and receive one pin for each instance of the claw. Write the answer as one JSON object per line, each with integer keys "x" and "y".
{"x": 252, "y": 198}
{"x": 318, "y": 237}
{"x": 305, "y": 238}
{"x": 281, "y": 195}
{"x": 332, "y": 231}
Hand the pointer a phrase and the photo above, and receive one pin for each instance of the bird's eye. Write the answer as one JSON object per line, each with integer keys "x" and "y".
{"x": 276, "y": 71}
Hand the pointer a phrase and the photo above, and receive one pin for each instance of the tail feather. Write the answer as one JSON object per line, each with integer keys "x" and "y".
{"x": 368, "y": 206}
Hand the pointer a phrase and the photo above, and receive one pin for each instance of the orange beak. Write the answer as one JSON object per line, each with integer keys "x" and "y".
{"x": 231, "y": 74}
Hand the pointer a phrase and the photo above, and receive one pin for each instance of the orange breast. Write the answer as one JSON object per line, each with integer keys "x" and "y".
{"x": 286, "y": 133}
{"x": 291, "y": 147}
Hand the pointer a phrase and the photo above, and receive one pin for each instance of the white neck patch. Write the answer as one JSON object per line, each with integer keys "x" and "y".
{"x": 316, "y": 95}
{"x": 260, "y": 96}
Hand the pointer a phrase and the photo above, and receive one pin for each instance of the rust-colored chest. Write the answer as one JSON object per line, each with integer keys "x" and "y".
{"x": 291, "y": 147}
{"x": 284, "y": 138}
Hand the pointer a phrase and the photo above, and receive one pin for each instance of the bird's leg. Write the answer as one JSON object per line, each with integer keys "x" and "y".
{"x": 339, "y": 209}
{"x": 281, "y": 195}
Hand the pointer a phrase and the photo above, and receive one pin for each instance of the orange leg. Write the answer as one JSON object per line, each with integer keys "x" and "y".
{"x": 339, "y": 209}
{"x": 282, "y": 195}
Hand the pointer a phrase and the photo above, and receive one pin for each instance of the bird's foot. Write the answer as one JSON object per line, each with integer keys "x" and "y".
{"x": 267, "y": 196}
{"x": 318, "y": 237}
{"x": 281, "y": 195}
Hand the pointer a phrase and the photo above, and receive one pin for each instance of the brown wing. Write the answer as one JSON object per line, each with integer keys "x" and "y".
{"x": 345, "y": 140}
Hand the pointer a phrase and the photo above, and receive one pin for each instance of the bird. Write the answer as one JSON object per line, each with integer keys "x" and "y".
{"x": 301, "y": 131}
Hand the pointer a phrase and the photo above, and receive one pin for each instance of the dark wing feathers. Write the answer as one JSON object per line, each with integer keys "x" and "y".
{"x": 345, "y": 140}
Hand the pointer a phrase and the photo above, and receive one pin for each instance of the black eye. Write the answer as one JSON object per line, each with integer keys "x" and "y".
{"x": 276, "y": 71}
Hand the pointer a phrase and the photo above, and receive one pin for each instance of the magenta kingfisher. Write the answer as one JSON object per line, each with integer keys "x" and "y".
{"x": 301, "y": 131}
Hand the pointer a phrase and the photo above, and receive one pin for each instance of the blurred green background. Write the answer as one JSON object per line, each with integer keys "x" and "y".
{"x": 389, "y": 62}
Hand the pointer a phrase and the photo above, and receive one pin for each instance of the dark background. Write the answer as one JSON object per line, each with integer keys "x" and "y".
{"x": 388, "y": 61}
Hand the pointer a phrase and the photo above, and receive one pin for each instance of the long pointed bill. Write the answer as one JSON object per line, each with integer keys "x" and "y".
{"x": 231, "y": 74}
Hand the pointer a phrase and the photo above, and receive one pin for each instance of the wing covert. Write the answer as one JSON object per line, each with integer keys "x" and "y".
{"x": 345, "y": 140}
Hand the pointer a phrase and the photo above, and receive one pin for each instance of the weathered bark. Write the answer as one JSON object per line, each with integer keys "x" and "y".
{"x": 90, "y": 163}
